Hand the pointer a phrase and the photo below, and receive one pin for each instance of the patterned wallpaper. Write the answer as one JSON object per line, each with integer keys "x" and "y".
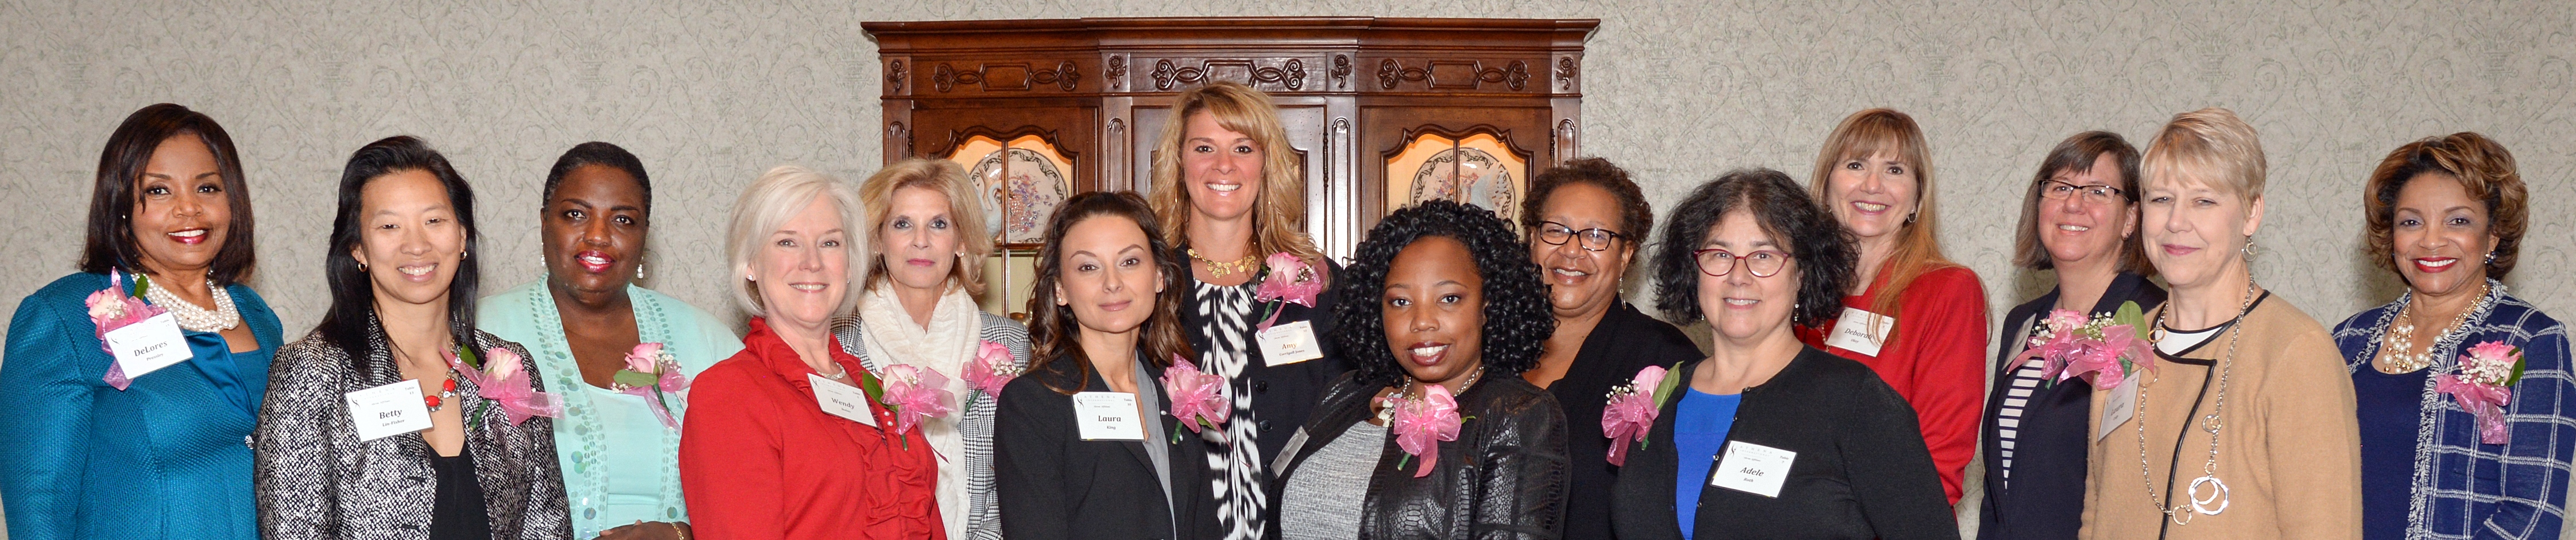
{"x": 711, "y": 93}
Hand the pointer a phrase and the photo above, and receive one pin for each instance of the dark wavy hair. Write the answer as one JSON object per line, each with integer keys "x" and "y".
{"x": 111, "y": 242}
{"x": 2481, "y": 166}
{"x": 1517, "y": 320}
{"x": 1055, "y": 334}
{"x": 1636, "y": 218}
{"x": 1823, "y": 250}
{"x": 352, "y": 294}
{"x": 598, "y": 153}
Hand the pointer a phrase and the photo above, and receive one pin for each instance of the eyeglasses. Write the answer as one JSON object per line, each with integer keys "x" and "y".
{"x": 1718, "y": 262}
{"x": 1594, "y": 239}
{"x": 2094, "y": 193}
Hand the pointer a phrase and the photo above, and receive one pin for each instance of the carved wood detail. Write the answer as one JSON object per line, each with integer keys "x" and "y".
{"x": 894, "y": 76}
{"x": 1290, "y": 74}
{"x": 1006, "y": 76}
{"x": 1453, "y": 74}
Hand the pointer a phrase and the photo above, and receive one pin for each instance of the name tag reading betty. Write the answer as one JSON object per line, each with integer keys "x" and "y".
{"x": 1289, "y": 343}
{"x": 842, "y": 400}
{"x": 1861, "y": 331}
{"x": 1107, "y": 416}
{"x": 148, "y": 345}
{"x": 388, "y": 410}
{"x": 1753, "y": 468}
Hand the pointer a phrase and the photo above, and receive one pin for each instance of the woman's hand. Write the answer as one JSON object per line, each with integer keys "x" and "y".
{"x": 648, "y": 530}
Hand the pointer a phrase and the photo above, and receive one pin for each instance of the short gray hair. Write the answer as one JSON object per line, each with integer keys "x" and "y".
{"x": 773, "y": 198}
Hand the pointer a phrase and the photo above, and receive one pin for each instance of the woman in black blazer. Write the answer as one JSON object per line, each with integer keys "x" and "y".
{"x": 1104, "y": 326}
{"x": 1766, "y": 437}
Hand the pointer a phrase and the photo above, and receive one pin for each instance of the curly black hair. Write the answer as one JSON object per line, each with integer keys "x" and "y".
{"x": 1823, "y": 250}
{"x": 1517, "y": 321}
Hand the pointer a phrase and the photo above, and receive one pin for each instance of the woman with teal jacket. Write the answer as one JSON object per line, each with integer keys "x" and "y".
{"x": 90, "y": 452}
{"x": 619, "y": 439}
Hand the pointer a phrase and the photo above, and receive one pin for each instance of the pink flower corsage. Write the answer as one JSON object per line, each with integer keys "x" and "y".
{"x": 1632, "y": 410}
{"x": 1421, "y": 423}
{"x": 991, "y": 369}
{"x": 2483, "y": 385}
{"x": 2105, "y": 350}
{"x": 915, "y": 393}
{"x": 654, "y": 374}
{"x": 1198, "y": 398}
{"x": 503, "y": 379}
{"x": 112, "y": 308}
{"x": 1291, "y": 281}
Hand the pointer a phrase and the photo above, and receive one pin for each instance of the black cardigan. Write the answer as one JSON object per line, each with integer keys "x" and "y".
{"x": 2046, "y": 496}
{"x": 1504, "y": 478}
{"x": 1282, "y": 396}
{"x": 1053, "y": 484}
{"x": 1625, "y": 341}
{"x": 1861, "y": 471}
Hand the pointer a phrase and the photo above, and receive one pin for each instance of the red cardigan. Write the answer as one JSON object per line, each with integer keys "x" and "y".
{"x": 759, "y": 460}
{"x": 1934, "y": 357}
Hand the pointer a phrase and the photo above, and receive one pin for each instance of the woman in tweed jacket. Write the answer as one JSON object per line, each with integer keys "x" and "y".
{"x": 2447, "y": 215}
{"x": 402, "y": 280}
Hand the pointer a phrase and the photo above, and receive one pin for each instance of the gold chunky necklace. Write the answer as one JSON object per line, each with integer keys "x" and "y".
{"x": 2181, "y": 514}
{"x": 1219, "y": 270}
{"x": 2399, "y": 341}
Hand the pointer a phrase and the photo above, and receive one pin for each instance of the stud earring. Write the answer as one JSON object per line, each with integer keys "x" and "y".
{"x": 2490, "y": 258}
{"x": 639, "y": 271}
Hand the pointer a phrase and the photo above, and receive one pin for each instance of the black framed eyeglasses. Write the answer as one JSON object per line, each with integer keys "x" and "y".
{"x": 1593, "y": 239}
{"x": 1719, "y": 262}
{"x": 2093, "y": 193}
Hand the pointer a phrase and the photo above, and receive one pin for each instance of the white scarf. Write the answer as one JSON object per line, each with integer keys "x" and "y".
{"x": 955, "y": 332}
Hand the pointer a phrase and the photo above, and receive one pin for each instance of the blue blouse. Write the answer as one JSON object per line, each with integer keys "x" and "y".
{"x": 167, "y": 457}
{"x": 620, "y": 464}
{"x": 1699, "y": 431}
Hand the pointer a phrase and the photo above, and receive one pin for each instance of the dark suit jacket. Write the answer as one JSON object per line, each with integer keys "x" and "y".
{"x": 1626, "y": 341}
{"x": 1503, "y": 478}
{"x": 1054, "y": 485}
{"x": 1282, "y": 396}
{"x": 2046, "y": 496}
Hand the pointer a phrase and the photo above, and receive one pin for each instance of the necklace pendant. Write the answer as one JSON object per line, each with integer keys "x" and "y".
{"x": 2217, "y": 496}
{"x": 2179, "y": 515}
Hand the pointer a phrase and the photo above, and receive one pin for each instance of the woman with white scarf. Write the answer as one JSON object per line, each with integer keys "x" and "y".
{"x": 919, "y": 310}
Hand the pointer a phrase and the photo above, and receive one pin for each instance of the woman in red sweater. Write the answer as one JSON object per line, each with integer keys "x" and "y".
{"x": 1914, "y": 317}
{"x": 761, "y": 457}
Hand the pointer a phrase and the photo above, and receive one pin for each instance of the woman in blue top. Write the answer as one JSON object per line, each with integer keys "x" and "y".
{"x": 620, "y": 458}
{"x": 2447, "y": 214}
{"x": 159, "y": 453}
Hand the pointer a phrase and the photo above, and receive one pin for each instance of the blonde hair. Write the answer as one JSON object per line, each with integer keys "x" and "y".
{"x": 2212, "y": 146}
{"x": 1279, "y": 211}
{"x": 965, "y": 215}
{"x": 1886, "y": 131}
{"x": 770, "y": 201}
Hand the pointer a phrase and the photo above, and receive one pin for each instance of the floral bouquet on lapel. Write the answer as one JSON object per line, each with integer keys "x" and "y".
{"x": 2483, "y": 383}
{"x": 653, "y": 374}
{"x": 114, "y": 307}
{"x": 1633, "y": 408}
{"x": 2105, "y": 350}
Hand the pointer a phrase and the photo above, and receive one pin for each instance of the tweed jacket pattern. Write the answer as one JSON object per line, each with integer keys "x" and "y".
{"x": 974, "y": 423}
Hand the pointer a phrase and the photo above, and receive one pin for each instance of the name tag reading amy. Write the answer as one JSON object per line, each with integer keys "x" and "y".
{"x": 148, "y": 345}
{"x": 1289, "y": 343}
{"x": 1753, "y": 468}
{"x": 841, "y": 400}
{"x": 388, "y": 410}
{"x": 1861, "y": 331}
{"x": 1107, "y": 416}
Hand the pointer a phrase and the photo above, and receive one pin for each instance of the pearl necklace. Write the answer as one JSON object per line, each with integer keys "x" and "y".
{"x": 2399, "y": 341}
{"x": 2181, "y": 514}
{"x": 197, "y": 319}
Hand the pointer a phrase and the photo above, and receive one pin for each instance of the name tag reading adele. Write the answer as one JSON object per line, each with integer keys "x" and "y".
{"x": 1753, "y": 468}
{"x": 1107, "y": 416}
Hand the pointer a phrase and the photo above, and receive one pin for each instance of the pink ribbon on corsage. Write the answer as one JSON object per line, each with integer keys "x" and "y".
{"x": 1198, "y": 398}
{"x": 2485, "y": 401}
{"x": 915, "y": 393}
{"x": 1421, "y": 423}
{"x": 504, "y": 380}
{"x": 651, "y": 373}
{"x": 1631, "y": 412}
{"x": 2069, "y": 351}
{"x": 1291, "y": 280}
{"x": 111, "y": 308}
{"x": 991, "y": 369}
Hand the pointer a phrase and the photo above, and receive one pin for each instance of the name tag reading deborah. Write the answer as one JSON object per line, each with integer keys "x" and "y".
{"x": 1753, "y": 468}
{"x": 1289, "y": 343}
{"x": 842, "y": 400}
{"x": 1861, "y": 331}
{"x": 148, "y": 345}
{"x": 1107, "y": 416}
{"x": 388, "y": 410}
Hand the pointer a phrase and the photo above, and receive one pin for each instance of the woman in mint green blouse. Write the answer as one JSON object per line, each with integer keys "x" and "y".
{"x": 620, "y": 457}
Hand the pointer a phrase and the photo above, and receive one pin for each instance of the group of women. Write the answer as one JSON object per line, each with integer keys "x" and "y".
{"x": 1194, "y": 368}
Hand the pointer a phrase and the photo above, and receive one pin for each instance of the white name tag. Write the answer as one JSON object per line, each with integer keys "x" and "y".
{"x": 842, "y": 400}
{"x": 1753, "y": 468}
{"x": 2116, "y": 408}
{"x": 1107, "y": 416}
{"x": 148, "y": 345}
{"x": 1861, "y": 331}
{"x": 1289, "y": 343}
{"x": 388, "y": 410}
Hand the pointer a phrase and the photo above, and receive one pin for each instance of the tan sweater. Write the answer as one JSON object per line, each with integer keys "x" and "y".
{"x": 2288, "y": 451}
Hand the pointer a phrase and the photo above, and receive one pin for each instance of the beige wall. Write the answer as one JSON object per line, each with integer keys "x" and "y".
{"x": 711, "y": 93}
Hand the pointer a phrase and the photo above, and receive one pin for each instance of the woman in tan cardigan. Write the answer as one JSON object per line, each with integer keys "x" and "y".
{"x": 2242, "y": 431}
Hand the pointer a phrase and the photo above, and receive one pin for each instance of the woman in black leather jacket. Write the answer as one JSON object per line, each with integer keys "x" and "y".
{"x": 1438, "y": 305}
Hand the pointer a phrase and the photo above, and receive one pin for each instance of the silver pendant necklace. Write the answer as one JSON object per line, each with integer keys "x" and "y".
{"x": 2216, "y": 499}
{"x": 197, "y": 319}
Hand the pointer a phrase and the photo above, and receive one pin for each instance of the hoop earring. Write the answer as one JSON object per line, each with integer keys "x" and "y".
{"x": 2249, "y": 250}
{"x": 1909, "y": 216}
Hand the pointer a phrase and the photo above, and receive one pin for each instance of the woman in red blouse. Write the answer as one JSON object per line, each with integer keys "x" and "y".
{"x": 1914, "y": 317}
{"x": 760, "y": 456}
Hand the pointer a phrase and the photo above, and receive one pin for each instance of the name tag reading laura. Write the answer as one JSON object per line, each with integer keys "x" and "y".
{"x": 1289, "y": 343}
{"x": 388, "y": 410}
{"x": 148, "y": 345}
{"x": 1861, "y": 331}
{"x": 1107, "y": 416}
{"x": 1753, "y": 468}
{"x": 841, "y": 400}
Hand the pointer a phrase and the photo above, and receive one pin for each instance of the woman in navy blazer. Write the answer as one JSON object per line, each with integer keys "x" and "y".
{"x": 161, "y": 455}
